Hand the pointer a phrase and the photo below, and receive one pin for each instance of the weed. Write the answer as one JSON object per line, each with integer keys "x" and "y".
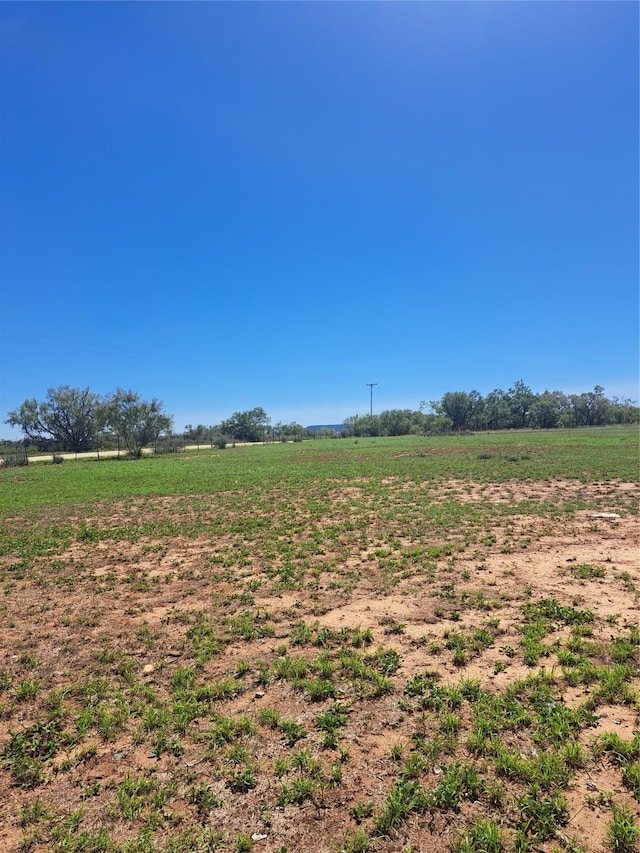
{"x": 33, "y": 813}
{"x": 297, "y": 791}
{"x": 407, "y": 796}
{"x": 244, "y": 843}
{"x": 631, "y": 778}
{"x": 483, "y": 837}
{"x": 132, "y": 795}
{"x": 204, "y": 799}
{"x": 242, "y": 781}
{"x": 585, "y": 571}
{"x": 361, "y": 811}
{"x": 356, "y": 842}
{"x": 293, "y": 731}
{"x": 623, "y": 834}
{"x": 27, "y": 751}
{"x": 540, "y": 818}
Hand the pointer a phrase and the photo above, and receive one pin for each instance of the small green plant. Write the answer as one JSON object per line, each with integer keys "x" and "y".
{"x": 242, "y": 781}
{"x": 540, "y": 817}
{"x": 623, "y": 835}
{"x": 362, "y": 810}
{"x": 33, "y": 813}
{"x": 204, "y": 799}
{"x": 585, "y": 571}
{"x": 298, "y": 790}
{"x": 406, "y": 797}
{"x": 26, "y": 752}
{"x": 26, "y": 690}
{"x": 483, "y": 837}
{"x": 292, "y": 731}
{"x": 269, "y": 717}
{"x": 356, "y": 842}
{"x": 458, "y": 781}
{"x": 244, "y": 843}
{"x": 631, "y": 779}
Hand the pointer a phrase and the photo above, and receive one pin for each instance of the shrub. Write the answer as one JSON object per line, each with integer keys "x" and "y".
{"x": 14, "y": 457}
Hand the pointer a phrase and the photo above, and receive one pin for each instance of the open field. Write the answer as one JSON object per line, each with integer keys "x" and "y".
{"x": 409, "y": 644}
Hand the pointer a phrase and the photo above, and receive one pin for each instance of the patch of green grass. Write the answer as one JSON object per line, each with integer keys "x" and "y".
{"x": 585, "y": 571}
{"x": 541, "y": 817}
{"x": 26, "y": 752}
{"x": 483, "y": 837}
{"x": 604, "y": 453}
{"x": 623, "y": 834}
{"x": 406, "y": 797}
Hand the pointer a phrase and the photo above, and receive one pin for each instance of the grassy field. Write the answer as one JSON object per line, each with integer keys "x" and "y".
{"x": 398, "y": 644}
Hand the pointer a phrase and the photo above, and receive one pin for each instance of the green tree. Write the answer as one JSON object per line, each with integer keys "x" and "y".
{"x": 289, "y": 432}
{"x": 200, "y": 434}
{"x": 397, "y": 421}
{"x": 246, "y": 426}
{"x": 68, "y": 417}
{"x": 362, "y": 425}
{"x": 476, "y": 417}
{"x": 520, "y": 399}
{"x": 546, "y": 409}
{"x": 623, "y": 411}
{"x": 138, "y": 423}
{"x": 457, "y": 406}
{"x": 497, "y": 412}
{"x": 590, "y": 409}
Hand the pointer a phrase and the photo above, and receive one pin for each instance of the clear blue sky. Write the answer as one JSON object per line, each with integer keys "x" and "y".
{"x": 229, "y": 205}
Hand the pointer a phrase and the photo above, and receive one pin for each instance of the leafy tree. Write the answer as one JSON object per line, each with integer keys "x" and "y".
{"x": 593, "y": 407}
{"x": 456, "y": 405}
{"x": 546, "y": 409}
{"x": 477, "y": 410}
{"x": 198, "y": 435}
{"x": 246, "y": 426}
{"x": 623, "y": 411}
{"x": 432, "y": 423}
{"x": 520, "y": 399}
{"x": 397, "y": 421}
{"x": 497, "y": 412}
{"x": 289, "y": 432}
{"x": 69, "y": 417}
{"x": 362, "y": 425}
{"x": 137, "y": 422}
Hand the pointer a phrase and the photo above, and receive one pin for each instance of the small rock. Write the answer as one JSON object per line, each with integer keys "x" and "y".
{"x": 258, "y": 836}
{"x": 147, "y": 668}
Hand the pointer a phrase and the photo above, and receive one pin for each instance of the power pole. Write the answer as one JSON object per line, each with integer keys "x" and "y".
{"x": 370, "y": 385}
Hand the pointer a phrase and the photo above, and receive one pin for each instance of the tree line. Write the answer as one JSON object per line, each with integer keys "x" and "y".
{"x": 517, "y": 408}
{"x": 77, "y": 420}
{"x": 250, "y": 426}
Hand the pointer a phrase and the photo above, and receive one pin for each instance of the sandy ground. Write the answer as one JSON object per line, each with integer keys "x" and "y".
{"x": 136, "y": 599}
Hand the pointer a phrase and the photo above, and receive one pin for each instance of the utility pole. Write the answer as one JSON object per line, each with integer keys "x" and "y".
{"x": 370, "y": 385}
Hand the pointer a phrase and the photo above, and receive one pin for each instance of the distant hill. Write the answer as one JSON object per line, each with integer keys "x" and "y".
{"x": 317, "y": 427}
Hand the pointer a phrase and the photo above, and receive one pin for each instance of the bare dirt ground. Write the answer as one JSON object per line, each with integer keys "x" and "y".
{"x": 76, "y": 616}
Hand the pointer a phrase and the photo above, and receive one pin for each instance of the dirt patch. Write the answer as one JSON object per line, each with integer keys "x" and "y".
{"x": 187, "y": 643}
